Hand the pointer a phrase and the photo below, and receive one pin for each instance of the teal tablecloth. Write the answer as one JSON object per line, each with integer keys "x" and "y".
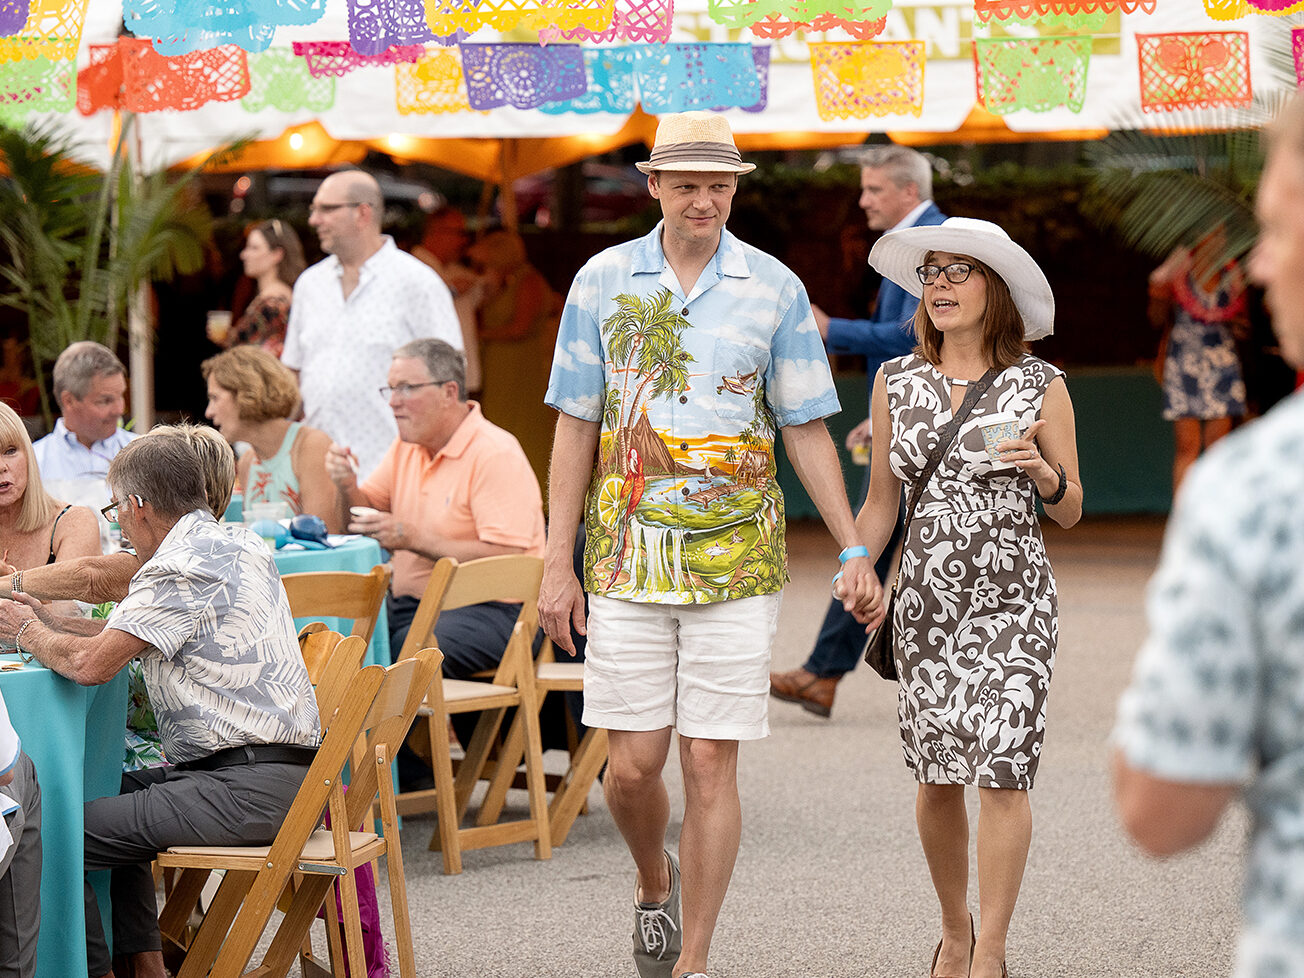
{"x": 74, "y": 736}
{"x": 359, "y": 556}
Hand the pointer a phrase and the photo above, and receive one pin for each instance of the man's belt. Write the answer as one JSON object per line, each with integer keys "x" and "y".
{"x": 251, "y": 754}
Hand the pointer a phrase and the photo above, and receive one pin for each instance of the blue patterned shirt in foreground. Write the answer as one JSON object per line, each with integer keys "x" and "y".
{"x": 225, "y": 668}
{"x": 684, "y": 506}
{"x": 1218, "y": 692}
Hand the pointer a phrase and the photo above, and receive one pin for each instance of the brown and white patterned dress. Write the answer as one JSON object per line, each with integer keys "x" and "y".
{"x": 976, "y": 619}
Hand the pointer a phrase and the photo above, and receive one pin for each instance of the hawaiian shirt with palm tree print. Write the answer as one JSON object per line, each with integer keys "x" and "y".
{"x": 684, "y": 507}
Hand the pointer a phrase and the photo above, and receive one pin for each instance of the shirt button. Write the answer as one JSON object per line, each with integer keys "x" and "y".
{"x": 684, "y": 490}
{"x": 683, "y": 446}
{"x": 683, "y": 398}
{"x": 684, "y": 312}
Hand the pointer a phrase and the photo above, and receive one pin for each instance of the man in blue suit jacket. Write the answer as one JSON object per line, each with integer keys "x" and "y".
{"x": 896, "y": 189}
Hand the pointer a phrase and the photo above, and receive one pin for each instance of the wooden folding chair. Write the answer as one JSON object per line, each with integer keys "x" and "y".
{"x": 380, "y": 704}
{"x": 586, "y": 758}
{"x": 511, "y": 578}
{"x": 332, "y": 661}
{"x": 340, "y": 594}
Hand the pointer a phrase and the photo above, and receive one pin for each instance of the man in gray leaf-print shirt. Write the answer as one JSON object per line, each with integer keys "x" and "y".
{"x": 208, "y": 618}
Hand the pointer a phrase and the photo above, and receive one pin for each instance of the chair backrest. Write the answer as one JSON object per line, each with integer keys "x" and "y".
{"x": 316, "y": 643}
{"x": 387, "y": 723}
{"x": 339, "y": 594}
{"x": 512, "y": 578}
{"x": 378, "y": 701}
{"x": 333, "y": 679}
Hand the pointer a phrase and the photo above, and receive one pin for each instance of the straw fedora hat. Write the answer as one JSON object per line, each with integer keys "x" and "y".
{"x": 898, "y": 253}
{"x": 698, "y": 142}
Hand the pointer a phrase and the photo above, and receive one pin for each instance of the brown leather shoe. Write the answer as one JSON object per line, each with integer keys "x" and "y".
{"x": 799, "y": 686}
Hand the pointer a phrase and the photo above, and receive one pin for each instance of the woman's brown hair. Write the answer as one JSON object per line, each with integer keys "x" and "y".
{"x": 279, "y": 234}
{"x": 1002, "y": 324}
{"x": 263, "y": 387}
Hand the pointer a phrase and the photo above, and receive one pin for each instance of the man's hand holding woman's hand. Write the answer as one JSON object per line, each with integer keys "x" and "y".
{"x": 860, "y": 591}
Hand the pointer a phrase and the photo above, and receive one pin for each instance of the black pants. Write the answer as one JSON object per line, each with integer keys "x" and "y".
{"x": 159, "y": 807}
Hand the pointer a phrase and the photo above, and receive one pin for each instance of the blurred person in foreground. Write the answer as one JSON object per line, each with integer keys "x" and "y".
{"x": 20, "y": 855}
{"x": 976, "y": 621}
{"x": 251, "y": 396}
{"x": 1213, "y": 710}
{"x": 210, "y": 622}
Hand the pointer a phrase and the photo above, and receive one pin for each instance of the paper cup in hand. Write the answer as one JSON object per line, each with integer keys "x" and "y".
{"x": 997, "y": 428}
{"x": 363, "y": 512}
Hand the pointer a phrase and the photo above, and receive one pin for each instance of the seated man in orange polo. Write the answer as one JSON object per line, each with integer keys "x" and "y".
{"x": 451, "y": 485}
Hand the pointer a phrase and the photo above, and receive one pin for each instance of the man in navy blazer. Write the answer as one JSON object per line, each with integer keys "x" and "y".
{"x": 896, "y": 190}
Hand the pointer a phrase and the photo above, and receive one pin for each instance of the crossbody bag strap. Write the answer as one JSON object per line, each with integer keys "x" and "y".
{"x": 948, "y": 433}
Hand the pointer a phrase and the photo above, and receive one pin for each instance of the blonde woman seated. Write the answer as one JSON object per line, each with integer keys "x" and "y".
{"x": 35, "y": 528}
{"x": 250, "y": 398}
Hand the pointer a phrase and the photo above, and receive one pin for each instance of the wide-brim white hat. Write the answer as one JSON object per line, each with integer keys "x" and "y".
{"x": 696, "y": 142}
{"x": 898, "y": 253}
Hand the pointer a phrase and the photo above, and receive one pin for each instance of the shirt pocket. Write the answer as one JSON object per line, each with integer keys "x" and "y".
{"x": 737, "y": 374}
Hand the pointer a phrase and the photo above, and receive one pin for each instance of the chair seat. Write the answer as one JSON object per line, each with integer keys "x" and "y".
{"x": 319, "y": 848}
{"x": 567, "y": 676}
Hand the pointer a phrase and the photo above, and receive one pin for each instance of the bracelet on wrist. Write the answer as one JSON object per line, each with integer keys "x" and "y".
{"x": 850, "y": 553}
{"x": 1063, "y": 487}
{"x": 16, "y": 583}
{"x": 18, "y": 639}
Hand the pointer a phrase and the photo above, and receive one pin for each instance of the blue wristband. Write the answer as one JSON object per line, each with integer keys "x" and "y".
{"x": 851, "y": 553}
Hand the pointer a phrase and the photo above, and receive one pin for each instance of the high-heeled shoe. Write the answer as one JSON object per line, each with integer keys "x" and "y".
{"x": 973, "y": 942}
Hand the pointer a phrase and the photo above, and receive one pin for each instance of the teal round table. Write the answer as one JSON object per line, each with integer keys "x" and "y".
{"x": 359, "y": 555}
{"x": 74, "y": 736}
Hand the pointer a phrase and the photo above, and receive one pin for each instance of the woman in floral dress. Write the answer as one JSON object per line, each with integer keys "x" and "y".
{"x": 273, "y": 257}
{"x": 975, "y": 616}
{"x": 1203, "y": 305}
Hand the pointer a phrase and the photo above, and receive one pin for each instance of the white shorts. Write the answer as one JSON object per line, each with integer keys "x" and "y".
{"x": 703, "y": 669}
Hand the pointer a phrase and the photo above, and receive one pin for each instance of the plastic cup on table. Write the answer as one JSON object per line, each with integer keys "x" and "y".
{"x": 264, "y": 519}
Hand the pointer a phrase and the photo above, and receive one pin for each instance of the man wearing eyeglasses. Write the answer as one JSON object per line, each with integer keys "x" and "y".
{"x": 896, "y": 189}
{"x": 451, "y": 485}
{"x": 352, "y": 309}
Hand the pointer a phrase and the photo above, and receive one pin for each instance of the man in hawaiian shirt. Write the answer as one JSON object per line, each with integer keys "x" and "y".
{"x": 209, "y": 620}
{"x": 679, "y": 355}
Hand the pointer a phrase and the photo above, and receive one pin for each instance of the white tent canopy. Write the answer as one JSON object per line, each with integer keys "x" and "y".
{"x": 365, "y": 105}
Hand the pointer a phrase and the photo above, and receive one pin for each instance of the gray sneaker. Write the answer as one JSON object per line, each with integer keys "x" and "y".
{"x": 657, "y": 940}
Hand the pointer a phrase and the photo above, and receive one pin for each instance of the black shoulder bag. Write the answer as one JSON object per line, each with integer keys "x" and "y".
{"x": 878, "y": 649}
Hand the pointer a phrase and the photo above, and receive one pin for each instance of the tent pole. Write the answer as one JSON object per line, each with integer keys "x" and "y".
{"x": 140, "y": 337}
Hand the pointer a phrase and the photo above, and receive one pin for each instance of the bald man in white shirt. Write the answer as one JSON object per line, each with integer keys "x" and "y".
{"x": 352, "y": 310}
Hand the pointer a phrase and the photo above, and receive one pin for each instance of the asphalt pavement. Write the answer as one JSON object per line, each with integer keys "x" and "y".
{"x": 830, "y": 880}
